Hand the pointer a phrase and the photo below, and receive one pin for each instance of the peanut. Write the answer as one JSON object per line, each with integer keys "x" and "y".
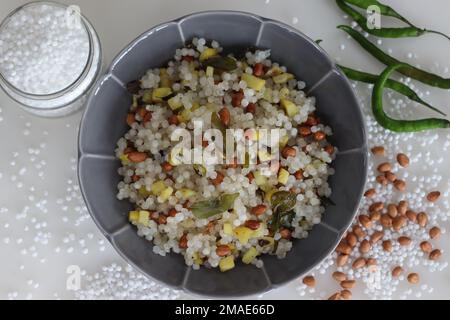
{"x": 343, "y": 248}
{"x": 435, "y": 254}
{"x": 259, "y": 210}
{"x": 381, "y": 179}
{"x": 339, "y": 276}
{"x": 225, "y": 117}
{"x": 375, "y": 216}
{"x": 252, "y": 224}
{"x": 319, "y": 136}
{"x": 370, "y": 193}
{"x": 346, "y": 294}
{"x": 309, "y": 281}
{"x": 359, "y": 232}
{"x": 378, "y": 151}
{"x": 218, "y": 179}
{"x": 137, "y": 157}
{"x": 422, "y": 219}
{"x": 384, "y": 167}
{"x": 376, "y": 236}
{"x": 397, "y": 271}
{"x": 359, "y": 263}
{"x": 435, "y": 233}
{"x": 400, "y": 185}
{"x": 351, "y": 239}
{"x": 413, "y": 278}
{"x": 404, "y": 241}
{"x": 285, "y": 233}
{"x": 426, "y": 247}
{"x": 398, "y": 222}
{"x": 365, "y": 246}
{"x": 183, "y": 244}
{"x": 365, "y": 221}
{"x": 348, "y": 284}
{"x": 299, "y": 175}
{"x": 336, "y": 296}
{"x": 411, "y": 215}
{"x": 403, "y": 160}
{"x": 289, "y": 152}
{"x": 387, "y": 245}
{"x": 166, "y": 166}
{"x": 223, "y": 250}
{"x": 391, "y": 177}
{"x": 342, "y": 260}
{"x": 402, "y": 207}
{"x": 377, "y": 206}
{"x": 392, "y": 210}
{"x": 433, "y": 196}
{"x": 386, "y": 220}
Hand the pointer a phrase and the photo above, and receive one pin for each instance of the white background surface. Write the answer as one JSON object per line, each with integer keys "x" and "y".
{"x": 38, "y": 156}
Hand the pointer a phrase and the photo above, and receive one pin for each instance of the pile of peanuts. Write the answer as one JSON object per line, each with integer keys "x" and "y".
{"x": 392, "y": 216}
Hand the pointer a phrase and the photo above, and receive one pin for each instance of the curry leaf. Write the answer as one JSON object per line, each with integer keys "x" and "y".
{"x": 222, "y": 63}
{"x": 211, "y": 207}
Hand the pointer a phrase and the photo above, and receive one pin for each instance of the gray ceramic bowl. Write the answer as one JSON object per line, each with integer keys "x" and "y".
{"x": 103, "y": 124}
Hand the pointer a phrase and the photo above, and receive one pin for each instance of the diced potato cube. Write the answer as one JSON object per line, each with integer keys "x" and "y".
{"x": 197, "y": 259}
{"x": 165, "y": 194}
{"x": 175, "y": 103}
{"x": 147, "y": 96}
{"x": 264, "y": 156}
{"x": 185, "y": 115}
{"x": 124, "y": 159}
{"x": 274, "y": 71}
{"x": 268, "y": 195}
{"x": 283, "y": 176}
{"x": 209, "y": 71}
{"x": 243, "y": 234}
{"x": 228, "y": 228}
{"x": 208, "y": 53}
{"x": 226, "y": 264}
{"x": 160, "y": 93}
{"x": 268, "y": 95}
{"x": 260, "y": 180}
{"x": 143, "y": 191}
{"x": 195, "y": 106}
{"x": 158, "y": 187}
{"x": 250, "y": 255}
{"x": 283, "y": 141}
{"x": 133, "y": 216}
{"x": 253, "y": 82}
{"x": 144, "y": 218}
{"x": 290, "y": 107}
{"x": 165, "y": 78}
{"x": 284, "y": 93}
{"x": 283, "y": 78}
{"x": 187, "y": 193}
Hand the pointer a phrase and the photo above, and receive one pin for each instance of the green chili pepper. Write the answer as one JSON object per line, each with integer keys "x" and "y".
{"x": 382, "y": 32}
{"x": 406, "y": 69}
{"x": 391, "y": 84}
{"x": 386, "y": 11}
{"x": 399, "y": 125}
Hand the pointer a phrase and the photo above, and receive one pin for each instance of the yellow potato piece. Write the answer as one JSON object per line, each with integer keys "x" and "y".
{"x": 290, "y": 107}
{"x": 253, "y": 82}
{"x": 226, "y": 264}
{"x": 283, "y": 176}
{"x": 243, "y": 234}
{"x": 250, "y": 255}
{"x": 208, "y": 53}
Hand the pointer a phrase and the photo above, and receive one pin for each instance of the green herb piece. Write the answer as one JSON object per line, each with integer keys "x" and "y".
{"x": 399, "y": 125}
{"x": 211, "y": 207}
{"x": 222, "y": 63}
{"x": 283, "y": 203}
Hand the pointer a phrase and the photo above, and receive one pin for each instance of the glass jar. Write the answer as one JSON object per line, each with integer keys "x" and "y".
{"x": 70, "y": 98}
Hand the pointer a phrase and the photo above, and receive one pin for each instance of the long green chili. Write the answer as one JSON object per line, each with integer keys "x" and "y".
{"x": 391, "y": 84}
{"x": 405, "y": 69}
{"x": 382, "y": 32}
{"x": 399, "y": 125}
{"x": 386, "y": 11}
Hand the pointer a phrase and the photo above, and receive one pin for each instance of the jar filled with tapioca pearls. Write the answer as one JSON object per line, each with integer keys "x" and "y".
{"x": 50, "y": 57}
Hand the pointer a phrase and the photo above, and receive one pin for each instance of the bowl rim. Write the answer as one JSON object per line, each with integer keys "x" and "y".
{"x": 333, "y": 69}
